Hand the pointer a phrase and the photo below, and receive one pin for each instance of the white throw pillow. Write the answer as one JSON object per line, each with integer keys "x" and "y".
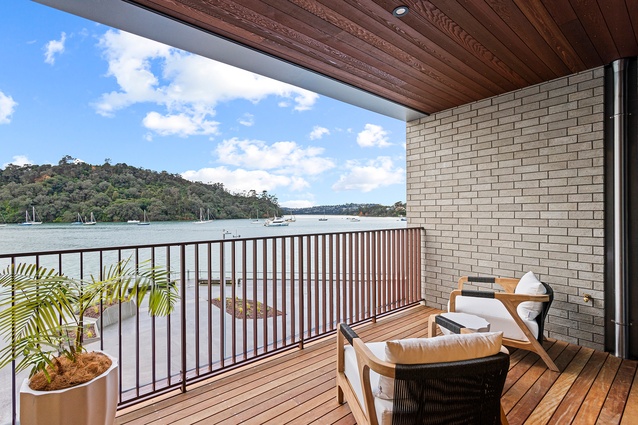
{"x": 446, "y": 348}
{"x": 529, "y": 285}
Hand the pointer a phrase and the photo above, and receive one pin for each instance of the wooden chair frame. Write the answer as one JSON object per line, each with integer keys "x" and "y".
{"x": 366, "y": 361}
{"x": 511, "y": 301}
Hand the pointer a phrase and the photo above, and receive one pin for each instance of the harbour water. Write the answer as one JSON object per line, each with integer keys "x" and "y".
{"x": 61, "y": 236}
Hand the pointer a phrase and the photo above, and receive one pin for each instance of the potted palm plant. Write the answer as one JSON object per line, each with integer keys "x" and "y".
{"x": 42, "y": 325}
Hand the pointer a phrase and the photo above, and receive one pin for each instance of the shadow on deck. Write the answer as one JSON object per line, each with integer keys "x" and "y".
{"x": 298, "y": 386}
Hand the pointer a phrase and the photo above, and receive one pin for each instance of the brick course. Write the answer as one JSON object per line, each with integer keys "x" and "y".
{"x": 515, "y": 183}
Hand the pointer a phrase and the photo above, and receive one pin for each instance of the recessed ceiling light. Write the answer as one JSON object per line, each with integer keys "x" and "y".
{"x": 400, "y": 11}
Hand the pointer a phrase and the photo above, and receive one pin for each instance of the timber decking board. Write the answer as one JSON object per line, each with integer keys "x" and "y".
{"x": 547, "y": 406}
{"x": 298, "y": 386}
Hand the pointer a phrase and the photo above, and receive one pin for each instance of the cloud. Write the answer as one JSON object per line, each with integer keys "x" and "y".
{"x": 318, "y": 132}
{"x": 373, "y": 135}
{"x": 183, "y": 85}
{"x": 247, "y": 120}
{"x": 52, "y": 48}
{"x": 244, "y": 180}
{"x": 7, "y": 108}
{"x": 181, "y": 124}
{"x": 19, "y": 160}
{"x": 299, "y": 203}
{"x": 376, "y": 173}
{"x": 284, "y": 157}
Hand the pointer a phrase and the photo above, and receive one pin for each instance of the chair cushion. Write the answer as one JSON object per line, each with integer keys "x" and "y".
{"x": 383, "y": 407}
{"x": 446, "y": 348}
{"x": 468, "y": 321}
{"x": 529, "y": 285}
{"x": 497, "y": 315}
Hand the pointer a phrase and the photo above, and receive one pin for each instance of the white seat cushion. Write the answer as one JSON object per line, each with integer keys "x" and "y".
{"x": 497, "y": 315}
{"x": 383, "y": 407}
{"x": 469, "y": 321}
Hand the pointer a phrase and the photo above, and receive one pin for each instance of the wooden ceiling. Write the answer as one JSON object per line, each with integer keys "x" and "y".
{"x": 442, "y": 54}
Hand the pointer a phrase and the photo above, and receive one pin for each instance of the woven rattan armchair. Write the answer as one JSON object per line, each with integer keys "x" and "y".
{"x": 505, "y": 316}
{"x": 460, "y": 392}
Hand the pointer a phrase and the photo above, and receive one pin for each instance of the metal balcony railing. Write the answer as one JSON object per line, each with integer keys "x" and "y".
{"x": 240, "y": 300}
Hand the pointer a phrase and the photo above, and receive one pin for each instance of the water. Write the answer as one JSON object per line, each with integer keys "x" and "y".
{"x": 61, "y": 236}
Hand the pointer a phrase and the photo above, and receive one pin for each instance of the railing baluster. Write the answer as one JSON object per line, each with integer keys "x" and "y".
{"x": 222, "y": 297}
{"x": 264, "y": 285}
{"x": 244, "y": 291}
{"x": 275, "y": 283}
{"x": 309, "y": 306}
{"x": 182, "y": 274}
{"x": 284, "y": 282}
{"x": 209, "y": 304}
{"x": 302, "y": 311}
{"x": 254, "y": 303}
{"x": 233, "y": 290}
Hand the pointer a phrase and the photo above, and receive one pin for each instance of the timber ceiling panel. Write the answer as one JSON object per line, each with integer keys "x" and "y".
{"x": 442, "y": 54}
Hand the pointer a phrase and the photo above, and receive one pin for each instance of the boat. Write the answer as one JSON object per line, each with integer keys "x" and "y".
{"x": 28, "y": 221}
{"x": 91, "y": 221}
{"x": 276, "y": 222}
{"x": 144, "y": 221}
{"x": 4, "y": 222}
{"x": 133, "y": 221}
{"x": 353, "y": 219}
{"x": 78, "y": 221}
{"x": 323, "y": 218}
{"x": 291, "y": 219}
{"x": 256, "y": 219}
{"x": 201, "y": 217}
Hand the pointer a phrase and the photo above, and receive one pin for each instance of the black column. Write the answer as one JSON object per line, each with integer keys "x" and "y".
{"x": 630, "y": 147}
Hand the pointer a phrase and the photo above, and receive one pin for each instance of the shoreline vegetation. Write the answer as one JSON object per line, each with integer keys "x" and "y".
{"x": 122, "y": 193}
{"x": 250, "y": 308}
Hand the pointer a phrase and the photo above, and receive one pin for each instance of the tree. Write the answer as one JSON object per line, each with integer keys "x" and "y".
{"x": 66, "y": 159}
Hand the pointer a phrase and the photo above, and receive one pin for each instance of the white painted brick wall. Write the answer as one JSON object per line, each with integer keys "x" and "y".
{"x": 515, "y": 183}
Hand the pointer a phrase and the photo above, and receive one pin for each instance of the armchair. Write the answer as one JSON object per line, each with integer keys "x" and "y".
{"x": 422, "y": 388}
{"x": 519, "y": 312}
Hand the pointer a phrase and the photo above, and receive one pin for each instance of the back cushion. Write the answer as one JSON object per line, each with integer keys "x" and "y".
{"x": 529, "y": 285}
{"x": 447, "y": 348}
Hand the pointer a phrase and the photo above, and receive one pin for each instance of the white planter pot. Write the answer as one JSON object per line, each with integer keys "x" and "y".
{"x": 94, "y": 402}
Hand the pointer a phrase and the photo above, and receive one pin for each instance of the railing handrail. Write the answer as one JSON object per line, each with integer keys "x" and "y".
{"x": 177, "y": 244}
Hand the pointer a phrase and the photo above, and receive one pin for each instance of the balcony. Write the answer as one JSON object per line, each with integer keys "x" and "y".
{"x": 219, "y": 365}
{"x": 298, "y": 387}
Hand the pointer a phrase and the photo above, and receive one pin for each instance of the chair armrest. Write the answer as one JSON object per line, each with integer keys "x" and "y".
{"x": 366, "y": 361}
{"x": 509, "y": 284}
{"x": 361, "y": 349}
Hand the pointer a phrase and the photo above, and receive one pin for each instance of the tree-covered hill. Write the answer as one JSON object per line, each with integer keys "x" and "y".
{"x": 118, "y": 193}
{"x": 365, "y": 210}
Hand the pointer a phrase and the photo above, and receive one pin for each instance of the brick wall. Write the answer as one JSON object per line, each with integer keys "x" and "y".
{"x": 515, "y": 183}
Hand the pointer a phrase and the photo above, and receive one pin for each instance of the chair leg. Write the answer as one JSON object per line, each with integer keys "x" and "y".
{"x": 503, "y": 417}
{"x": 538, "y": 349}
{"x": 432, "y": 325}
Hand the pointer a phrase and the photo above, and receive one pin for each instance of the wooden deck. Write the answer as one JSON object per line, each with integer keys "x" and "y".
{"x": 298, "y": 387}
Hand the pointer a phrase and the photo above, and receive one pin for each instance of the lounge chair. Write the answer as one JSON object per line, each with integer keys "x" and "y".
{"x": 421, "y": 387}
{"x": 519, "y": 312}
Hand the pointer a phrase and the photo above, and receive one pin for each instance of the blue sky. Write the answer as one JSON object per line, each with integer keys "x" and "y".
{"x": 69, "y": 86}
